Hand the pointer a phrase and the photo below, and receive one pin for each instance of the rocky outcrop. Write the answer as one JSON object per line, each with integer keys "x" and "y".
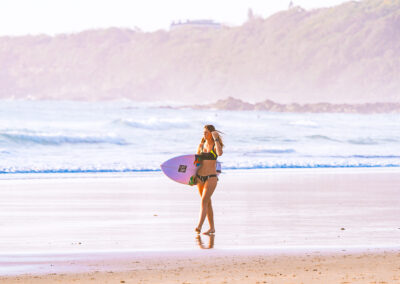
{"x": 268, "y": 105}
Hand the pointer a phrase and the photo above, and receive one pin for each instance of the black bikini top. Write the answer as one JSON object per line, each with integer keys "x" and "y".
{"x": 212, "y": 155}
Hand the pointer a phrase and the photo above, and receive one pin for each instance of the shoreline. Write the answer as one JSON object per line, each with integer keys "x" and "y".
{"x": 158, "y": 173}
{"x": 245, "y": 250}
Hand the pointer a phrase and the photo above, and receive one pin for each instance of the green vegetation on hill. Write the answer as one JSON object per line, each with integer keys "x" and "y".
{"x": 348, "y": 53}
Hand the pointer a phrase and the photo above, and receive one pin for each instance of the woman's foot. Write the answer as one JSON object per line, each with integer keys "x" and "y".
{"x": 209, "y": 232}
{"x": 197, "y": 230}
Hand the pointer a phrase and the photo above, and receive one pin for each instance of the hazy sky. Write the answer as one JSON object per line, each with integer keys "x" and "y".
{"x": 19, "y": 17}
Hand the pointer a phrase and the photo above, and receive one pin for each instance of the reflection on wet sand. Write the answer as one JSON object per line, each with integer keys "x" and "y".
{"x": 200, "y": 242}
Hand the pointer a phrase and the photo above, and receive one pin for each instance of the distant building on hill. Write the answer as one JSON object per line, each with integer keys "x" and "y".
{"x": 196, "y": 24}
{"x": 295, "y": 8}
{"x": 250, "y": 14}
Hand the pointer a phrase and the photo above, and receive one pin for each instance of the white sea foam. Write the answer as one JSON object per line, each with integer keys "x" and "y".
{"x": 58, "y": 139}
{"x": 304, "y": 123}
{"x": 153, "y": 124}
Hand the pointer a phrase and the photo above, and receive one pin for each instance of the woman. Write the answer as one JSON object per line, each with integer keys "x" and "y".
{"x": 209, "y": 149}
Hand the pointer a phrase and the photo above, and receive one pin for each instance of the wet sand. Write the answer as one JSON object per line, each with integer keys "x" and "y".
{"x": 271, "y": 225}
{"x": 312, "y": 267}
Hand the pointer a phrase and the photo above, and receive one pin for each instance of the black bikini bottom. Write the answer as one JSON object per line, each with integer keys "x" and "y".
{"x": 205, "y": 178}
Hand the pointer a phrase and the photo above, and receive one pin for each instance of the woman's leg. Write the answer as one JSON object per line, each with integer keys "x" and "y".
{"x": 210, "y": 217}
{"x": 200, "y": 186}
{"x": 209, "y": 188}
{"x": 210, "y": 212}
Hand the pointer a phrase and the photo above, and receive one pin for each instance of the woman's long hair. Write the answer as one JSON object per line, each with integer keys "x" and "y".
{"x": 211, "y": 128}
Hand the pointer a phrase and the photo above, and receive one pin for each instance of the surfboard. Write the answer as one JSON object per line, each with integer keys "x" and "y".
{"x": 182, "y": 168}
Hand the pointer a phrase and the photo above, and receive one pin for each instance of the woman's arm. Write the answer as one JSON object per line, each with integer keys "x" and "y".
{"x": 200, "y": 148}
{"x": 218, "y": 147}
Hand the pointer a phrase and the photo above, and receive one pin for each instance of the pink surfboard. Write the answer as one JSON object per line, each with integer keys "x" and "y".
{"x": 182, "y": 168}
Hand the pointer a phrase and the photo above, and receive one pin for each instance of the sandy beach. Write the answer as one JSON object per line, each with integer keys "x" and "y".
{"x": 313, "y": 267}
{"x": 273, "y": 226}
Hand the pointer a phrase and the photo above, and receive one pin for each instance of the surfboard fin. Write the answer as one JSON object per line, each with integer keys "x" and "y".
{"x": 193, "y": 180}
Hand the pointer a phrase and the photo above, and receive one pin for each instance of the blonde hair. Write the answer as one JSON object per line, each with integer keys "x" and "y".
{"x": 211, "y": 128}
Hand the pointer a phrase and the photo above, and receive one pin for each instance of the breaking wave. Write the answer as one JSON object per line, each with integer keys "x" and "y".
{"x": 51, "y": 139}
{"x": 152, "y": 124}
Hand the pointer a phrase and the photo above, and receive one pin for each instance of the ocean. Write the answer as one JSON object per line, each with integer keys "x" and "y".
{"x": 60, "y": 137}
